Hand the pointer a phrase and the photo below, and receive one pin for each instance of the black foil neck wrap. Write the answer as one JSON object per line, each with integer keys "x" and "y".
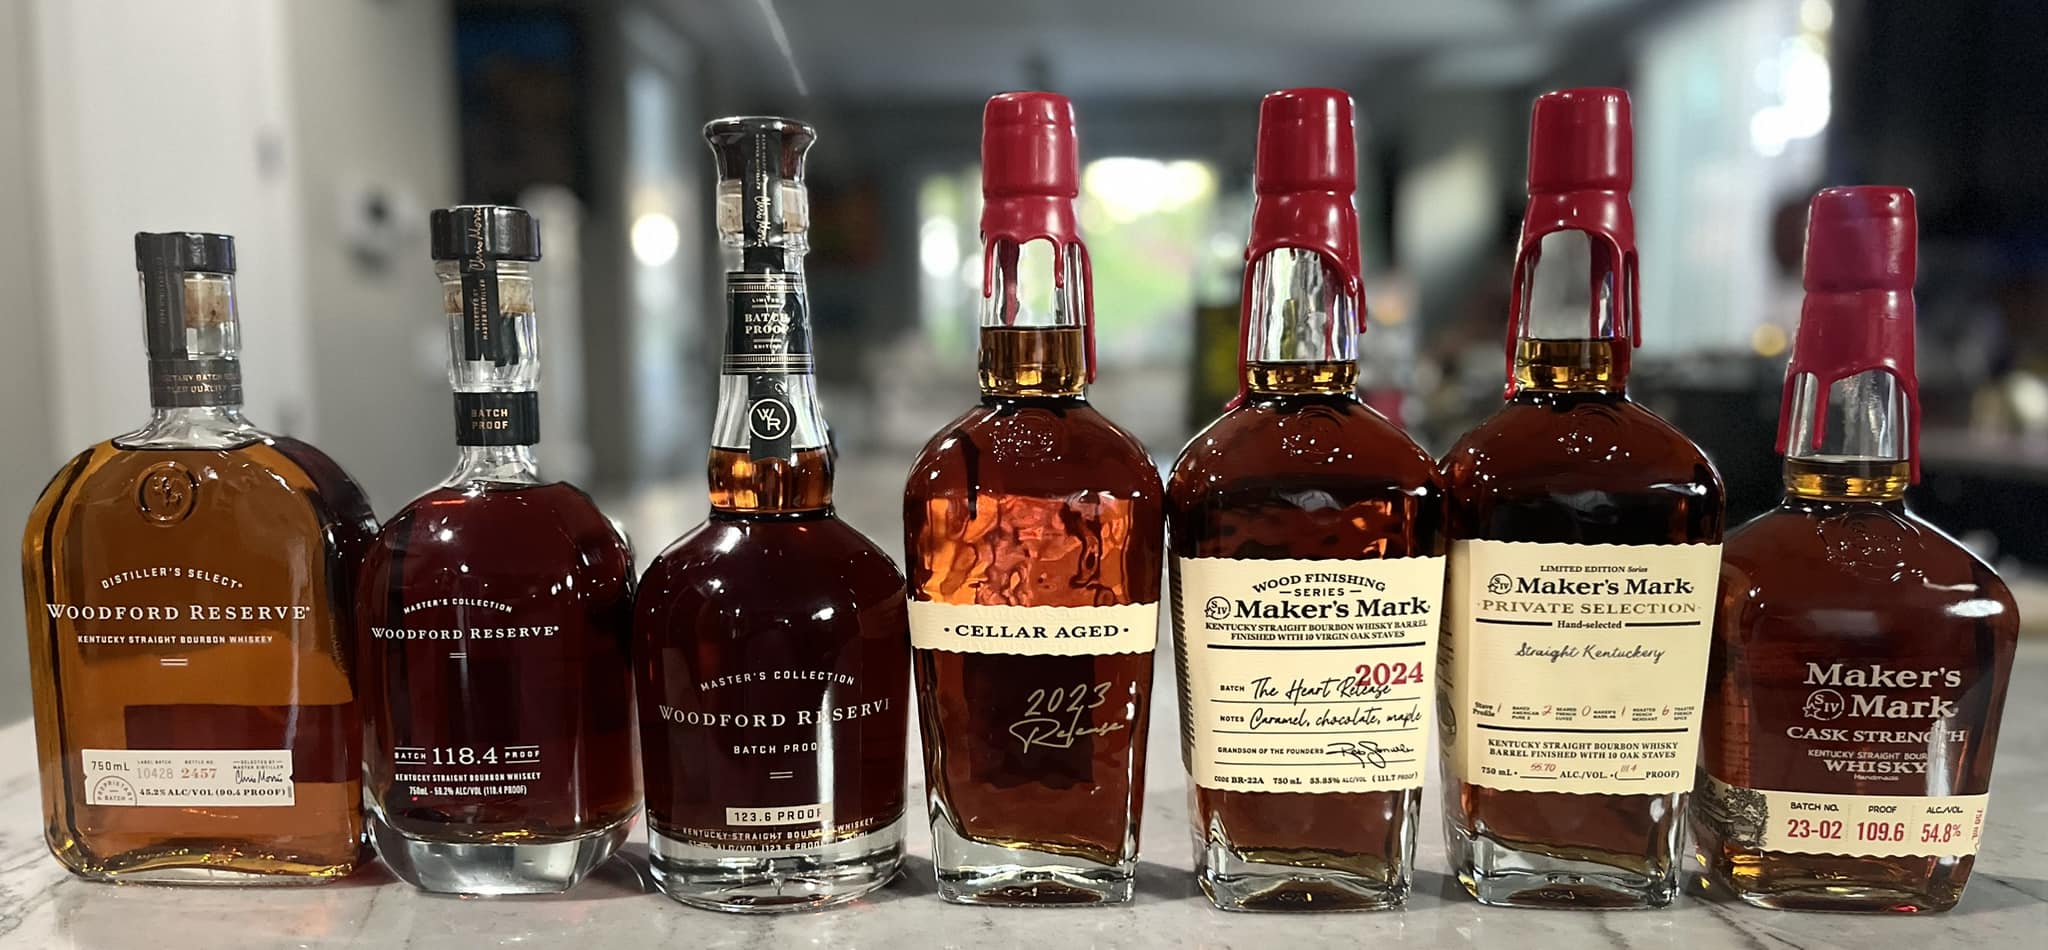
{"x": 763, "y": 211}
{"x": 477, "y": 237}
{"x": 177, "y": 378}
{"x": 497, "y": 418}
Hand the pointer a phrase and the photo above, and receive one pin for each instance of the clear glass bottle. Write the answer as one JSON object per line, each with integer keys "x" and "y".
{"x": 771, "y": 643}
{"x": 189, "y": 590}
{"x": 494, "y": 618}
{"x": 1861, "y": 656}
{"x": 1308, "y": 567}
{"x": 1033, "y": 526}
{"x": 1585, "y": 542}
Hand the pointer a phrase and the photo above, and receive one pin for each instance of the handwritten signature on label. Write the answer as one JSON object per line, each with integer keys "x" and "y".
{"x": 1052, "y": 717}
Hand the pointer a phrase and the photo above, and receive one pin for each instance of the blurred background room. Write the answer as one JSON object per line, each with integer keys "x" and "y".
{"x": 321, "y": 133}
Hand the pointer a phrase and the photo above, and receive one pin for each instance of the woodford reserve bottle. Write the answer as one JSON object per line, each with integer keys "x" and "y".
{"x": 771, "y": 646}
{"x": 1033, "y": 528}
{"x": 1861, "y": 657}
{"x": 1308, "y": 567}
{"x": 493, "y": 620}
{"x": 1586, "y": 540}
{"x": 189, "y": 595}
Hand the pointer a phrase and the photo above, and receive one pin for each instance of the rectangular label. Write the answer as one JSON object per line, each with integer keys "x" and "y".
{"x": 1308, "y": 675}
{"x": 818, "y": 813}
{"x": 1867, "y": 826}
{"x": 1577, "y": 667}
{"x": 1034, "y": 631}
{"x": 245, "y": 778}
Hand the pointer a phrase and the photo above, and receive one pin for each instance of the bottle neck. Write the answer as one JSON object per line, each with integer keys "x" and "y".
{"x": 1300, "y": 326}
{"x": 770, "y": 451}
{"x": 1573, "y": 305}
{"x": 494, "y": 370}
{"x": 193, "y": 427}
{"x": 497, "y": 464}
{"x": 1851, "y": 446}
{"x": 1034, "y": 336}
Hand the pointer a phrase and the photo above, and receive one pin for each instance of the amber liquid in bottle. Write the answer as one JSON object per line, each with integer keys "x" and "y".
{"x": 188, "y": 593}
{"x": 1301, "y": 470}
{"x": 1033, "y": 499}
{"x": 771, "y": 643}
{"x": 1861, "y": 661}
{"x": 1571, "y": 459}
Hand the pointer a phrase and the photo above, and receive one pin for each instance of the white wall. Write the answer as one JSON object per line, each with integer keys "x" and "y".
{"x": 241, "y": 116}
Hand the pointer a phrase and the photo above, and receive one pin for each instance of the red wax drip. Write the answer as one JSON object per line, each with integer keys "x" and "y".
{"x": 1030, "y": 176}
{"x": 1581, "y": 150}
{"x": 1304, "y": 174}
{"x": 1861, "y": 257}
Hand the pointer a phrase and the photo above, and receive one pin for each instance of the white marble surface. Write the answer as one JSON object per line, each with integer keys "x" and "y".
{"x": 42, "y": 906}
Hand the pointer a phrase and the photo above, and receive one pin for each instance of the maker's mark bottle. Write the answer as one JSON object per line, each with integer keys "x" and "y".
{"x": 188, "y": 588}
{"x": 1861, "y": 657}
{"x": 1033, "y": 527}
{"x": 1308, "y": 567}
{"x": 1585, "y": 537}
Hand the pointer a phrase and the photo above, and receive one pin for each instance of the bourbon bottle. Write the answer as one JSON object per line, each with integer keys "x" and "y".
{"x": 1585, "y": 545}
{"x": 771, "y": 643}
{"x": 188, "y": 588}
{"x": 1033, "y": 527}
{"x": 1308, "y": 567}
{"x": 493, "y": 619}
{"x": 1861, "y": 657}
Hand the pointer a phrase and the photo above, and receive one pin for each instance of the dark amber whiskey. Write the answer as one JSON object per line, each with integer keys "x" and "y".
{"x": 1571, "y": 460}
{"x": 1585, "y": 538}
{"x": 1861, "y": 657}
{"x": 494, "y": 620}
{"x": 1308, "y": 569}
{"x": 771, "y": 650}
{"x": 188, "y": 592}
{"x": 1033, "y": 527}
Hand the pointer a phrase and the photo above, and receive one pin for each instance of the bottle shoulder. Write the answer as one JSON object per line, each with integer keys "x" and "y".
{"x": 773, "y": 562}
{"x": 1576, "y": 444}
{"x": 1030, "y": 447}
{"x": 522, "y": 525}
{"x": 1310, "y": 440}
{"x": 1821, "y": 571}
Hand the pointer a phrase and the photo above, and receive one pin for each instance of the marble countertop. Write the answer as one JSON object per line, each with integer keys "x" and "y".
{"x": 42, "y": 906}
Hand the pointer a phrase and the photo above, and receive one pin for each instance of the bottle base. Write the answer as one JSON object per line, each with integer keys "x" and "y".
{"x": 1499, "y": 875}
{"x": 1236, "y": 884}
{"x": 768, "y": 882}
{"x": 972, "y": 872}
{"x": 198, "y": 864}
{"x": 496, "y": 868}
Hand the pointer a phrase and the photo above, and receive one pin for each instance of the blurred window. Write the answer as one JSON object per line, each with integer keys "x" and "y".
{"x": 1146, "y": 222}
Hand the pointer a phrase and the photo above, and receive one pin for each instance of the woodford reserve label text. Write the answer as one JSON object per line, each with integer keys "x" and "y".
{"x": 1308, "y": 676}
{"x": 1577, "y": 667}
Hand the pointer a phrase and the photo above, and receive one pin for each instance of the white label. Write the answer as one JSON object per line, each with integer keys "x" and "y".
{"x": 1868, "y": 826}
{"x": 814, "y": 814}
{"x": 1309, "y": 675}
{"x": 1577, "y": 667}
{"x": 248, "y": 778}
{"x": 1034, "y": 631}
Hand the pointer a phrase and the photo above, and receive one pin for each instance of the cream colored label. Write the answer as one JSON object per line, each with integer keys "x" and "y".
{"x": 1577, "y": 667}
{"x": 1864, "y": 826}
{"x": 1034, "y": 631}
{"x": 1308, "y": 676}
{"x": 241, "y": 778}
